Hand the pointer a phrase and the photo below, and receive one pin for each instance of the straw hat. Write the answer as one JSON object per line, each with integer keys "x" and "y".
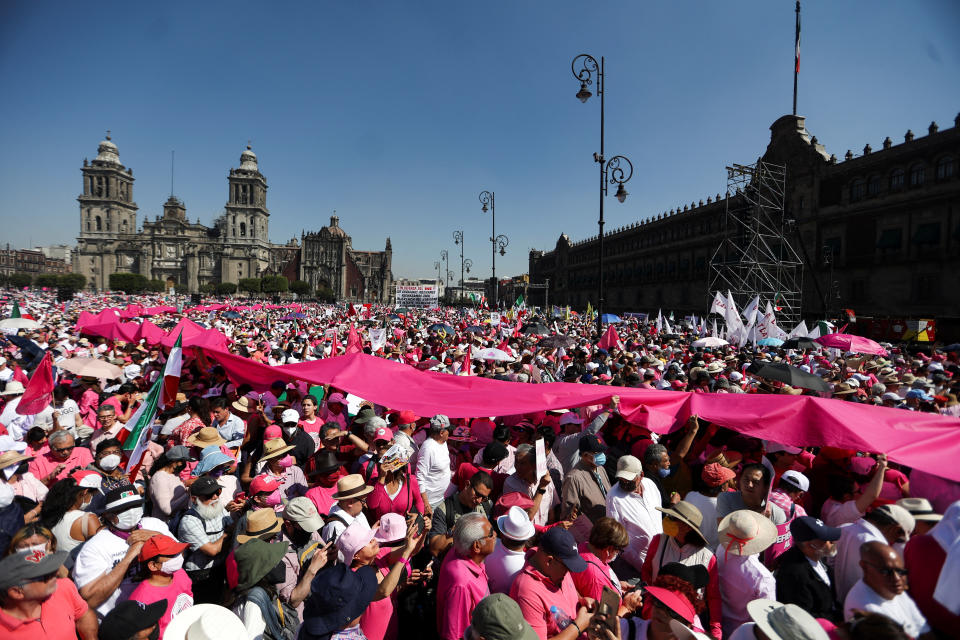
{"x": 725, "y": 458}
{"x": 745, "y": 532}
{"x": 206, "y": 437}
{"x": 241, "y": 404}
{"x": 351, "y": 486}
{"x": 10, "y": 458}
{"x": 686, "y": 513}
{"x": 274, "y": 448}
{"x": 260, "y": 523}
{"x": 843, "y": 389}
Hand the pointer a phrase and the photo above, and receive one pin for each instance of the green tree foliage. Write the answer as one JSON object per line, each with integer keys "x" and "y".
{"x": 226, "y": 288}
{"x": 326, "y": 294}
{"x": 300, "y": 287}
{"x": 250, "y": 285}
{"x": 157, "y": 286}
{"x": 128, "y": 282}
{"x": 47, "y": 280}
{"x": 273, "y": 284}
{"x": 75, "y": 281}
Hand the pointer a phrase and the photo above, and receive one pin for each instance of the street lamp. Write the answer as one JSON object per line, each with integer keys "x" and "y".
{"x": 497, "y": 242}
{"x": 444, "y": 255}
{"x": 617, "y": 170}
{"x": 458, "y": 240}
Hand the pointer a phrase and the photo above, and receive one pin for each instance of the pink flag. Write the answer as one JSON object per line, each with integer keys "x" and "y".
{"x": 39, "y": 391}
{"x": 610, "y": 340}
{"x": 353, "y": 340}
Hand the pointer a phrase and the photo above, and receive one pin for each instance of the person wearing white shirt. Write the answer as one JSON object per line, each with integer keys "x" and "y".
{"x": 887, "y": 524}
{"x": 17, "y": 425}
{"x": 524, "y": 480}
{"x": 883, "y": 589}
{"x": 509, "y": 555}
{"x": 433, "y": 464}
{"x": 230, "y": 427}
{"x": 633, "y": 502}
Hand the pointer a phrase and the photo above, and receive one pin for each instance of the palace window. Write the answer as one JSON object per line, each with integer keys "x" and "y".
{"x": 917, "y": 175}
{"x": 858, "y": 190}
{"x": 896, "y": 179}
{"x": 945, "y": 168}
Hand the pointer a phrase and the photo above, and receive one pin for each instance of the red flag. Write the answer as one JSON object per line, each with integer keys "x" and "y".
{"x": 39, "y": 391}
{"x": 353, "y": 340}
{"x": 516, "y": 329}
{"x": 335, "y": 346}
{"x": 20, "y": 376}
{"x": 610, "y": 339}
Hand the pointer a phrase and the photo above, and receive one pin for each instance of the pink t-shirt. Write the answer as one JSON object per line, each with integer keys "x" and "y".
{"x": 535, "y": 594}
{"x": 379, "y": 621}
{"x": 42, "y": 466}
{"x": 58, "y": 616}
{"x": 178, "y": 594}
{"x": 322, "y": 497}
{"x": 461, "y": 585}
{"x": 311, "y": 427}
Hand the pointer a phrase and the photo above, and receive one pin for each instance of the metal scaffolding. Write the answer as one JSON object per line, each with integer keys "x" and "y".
{"x": 755, "y": 256}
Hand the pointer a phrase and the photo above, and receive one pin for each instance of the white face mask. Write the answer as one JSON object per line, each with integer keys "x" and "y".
{"x": 129, "y": 519}
{"x": 290, "y": 430}
{"x": 109, "y": 463}
{"x": 6, "y": 495}
{"x": 172, "y": 565}
{"x": 34, "y": 547}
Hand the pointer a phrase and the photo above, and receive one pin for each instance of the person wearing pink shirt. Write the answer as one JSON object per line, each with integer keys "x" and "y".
{"x": 161, "y": 560}
{"x": 544, "y": 586}
{"x": 63, "y": 457}
{"x": 463, "y": 577}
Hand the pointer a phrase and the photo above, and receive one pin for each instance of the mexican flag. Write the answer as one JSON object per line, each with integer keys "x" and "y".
{"x": 171, "y": 374}
{"x": 136, "y": 433}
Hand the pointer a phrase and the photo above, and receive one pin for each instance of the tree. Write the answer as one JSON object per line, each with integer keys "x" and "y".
{"x": 48, "y": 280}
{"x": 273, "y": 284}
{"x": 20, "y": 280}
{"x": 208, "y": 287}
{"x": 250, "y": 285}
{"x": 157, "y": 286}
{"x": 300, "y": 287}
{"x": 128, "y": 282}
{"x": 226, "y": 288}
{"x": 326, "y": 294}
{"x": 75, "y": 281}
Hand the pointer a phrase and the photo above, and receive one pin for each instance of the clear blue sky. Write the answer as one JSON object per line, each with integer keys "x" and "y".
{"x": 399, "y": 113}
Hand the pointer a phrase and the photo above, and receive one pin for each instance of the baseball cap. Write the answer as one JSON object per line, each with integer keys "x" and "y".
{"x": 122, "y": 498}
{"x": 205, "y": 486}
{"x": 899, "y": 515}
{"x": 776, "y": 447}
{"x": 161, "y": 545}
{"x": 264, "y": 484}
{"x": 88, "y": 479}
{"x": 290, "y": 415}
{"x": 498, "y": 617}
{"x": 560, "y": 544}
{"x": 806, "y": 528}
{"x": 406, "y": 417}
{"x": 796, "y": 479}
{"x": 336, "y": 398}
{"x": 570, "y": 418}
{"x": 628, "y": 467}
{"x": 129, "y": 617}
{"x": 355, "y": 537}
{"x": 26, "y": 565}
{"x": 383, "y": 434}
{"x": 919, "y": 395}
{"x": 591, "y": 444}
{"x": 302, "y": 511}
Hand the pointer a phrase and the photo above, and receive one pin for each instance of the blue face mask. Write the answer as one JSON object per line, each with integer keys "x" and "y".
{"x": 599, "y": 459}
{"x": 663, "y": 473}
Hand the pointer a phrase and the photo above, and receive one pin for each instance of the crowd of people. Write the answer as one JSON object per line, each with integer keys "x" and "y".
{"x": 291, "y": 509}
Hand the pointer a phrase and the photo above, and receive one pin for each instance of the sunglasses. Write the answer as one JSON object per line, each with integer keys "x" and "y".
{"x": 44, "y": 578}
{"x": 888, "y": 572}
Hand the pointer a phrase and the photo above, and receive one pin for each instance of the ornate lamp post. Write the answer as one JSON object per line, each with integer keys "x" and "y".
{"x": 445, "y": 255}
{"x": 497, "y": 242}
{"x": 617, "y": 170}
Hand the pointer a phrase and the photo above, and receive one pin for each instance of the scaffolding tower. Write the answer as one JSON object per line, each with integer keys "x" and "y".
{"x": 755, "y": 256}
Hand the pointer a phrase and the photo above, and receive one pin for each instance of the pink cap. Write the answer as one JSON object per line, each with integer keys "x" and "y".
{"x": 570, "y": 418}
{"x": 383, "y": 434}
{"x": 264, "y": 484}
{"x": 271, "y": 432}
{"x": 354, "y": 538}
{"x": 336, "y": 398}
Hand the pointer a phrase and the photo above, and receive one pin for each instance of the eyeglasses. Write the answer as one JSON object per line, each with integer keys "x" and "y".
{"x": 44, "y": 578}
{"x": 65, "y": 449}
{"x": 212, "y": 496}
{"x": 888, "y": 572}
{"x": 107, "y": 416}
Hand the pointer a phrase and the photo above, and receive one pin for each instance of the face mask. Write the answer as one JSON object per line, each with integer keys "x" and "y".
{"x": 663, "y": 473}
{"x": 172, "y": 565}
{"x": 129, "y": 519}
{"x": 599, "y": 459}
{"x": 615, "y": 555}
{"x": 671, "y": 528}
{"x": 278, "y": 574}
{"x": 86, "y": 503}
{"x": 285, "y": 462}
{"x": 109, "y": 463}
{"x": 6, "y": 495}
{"x": 289, "y": 430}
{"x": 273, "y": 499}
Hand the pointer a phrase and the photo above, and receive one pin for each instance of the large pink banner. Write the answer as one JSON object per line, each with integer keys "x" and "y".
{"x": 923, "y": 440}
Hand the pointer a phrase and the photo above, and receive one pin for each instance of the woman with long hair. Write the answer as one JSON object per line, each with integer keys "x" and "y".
{"x": 62, "y": 512}
{"x": 199, "y": 410}
{"x": 396, "y": 490}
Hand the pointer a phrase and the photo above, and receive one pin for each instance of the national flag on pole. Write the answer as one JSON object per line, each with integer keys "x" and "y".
{"x": 39, "y": 391}
{"x": 136, "y": 433}
{"x": 171, "y": 374}
{"x": 15, "y": 311}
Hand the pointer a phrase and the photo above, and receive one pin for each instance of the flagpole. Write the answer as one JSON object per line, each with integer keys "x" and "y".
{"x": 796, "y": 65}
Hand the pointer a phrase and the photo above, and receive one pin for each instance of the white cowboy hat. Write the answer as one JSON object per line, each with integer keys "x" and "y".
{"x": 205, "y": 622}
{"x": 13, "y": 387}
{"x": 745, "y": 532}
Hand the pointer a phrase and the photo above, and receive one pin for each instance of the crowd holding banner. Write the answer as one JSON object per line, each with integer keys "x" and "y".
{"x": 314, "y": 471}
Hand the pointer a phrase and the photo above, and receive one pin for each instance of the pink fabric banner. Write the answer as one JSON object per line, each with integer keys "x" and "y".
{"x": 923, "y": 440}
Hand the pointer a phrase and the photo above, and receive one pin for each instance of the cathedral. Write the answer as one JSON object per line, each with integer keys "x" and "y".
{"x": 188, "y": 255}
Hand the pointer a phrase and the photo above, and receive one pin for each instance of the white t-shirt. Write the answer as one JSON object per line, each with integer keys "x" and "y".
{"x": 433, "y": 470}
{"x": 502, "y": 567}
{"x": 102, "y": 553}
{"x": 900, "y": 609}
{"x": 67, "y": 418}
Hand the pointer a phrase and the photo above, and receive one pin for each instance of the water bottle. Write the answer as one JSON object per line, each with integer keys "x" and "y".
{"x": 561, "y": 619}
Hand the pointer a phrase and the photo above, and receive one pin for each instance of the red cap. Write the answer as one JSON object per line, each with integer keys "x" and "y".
{"x": 407, "y": 417}
{"x": 264, "y": 484}
{"x": 271, "y": 432}
{"x": 383, "y": 434}
{"x": 161, "y": 545}
{"x": 87, "y": 479}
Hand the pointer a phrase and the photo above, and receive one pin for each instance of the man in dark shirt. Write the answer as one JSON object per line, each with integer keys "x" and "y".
{"x": 475, "y": 497}
{"x": 803, "y": 578}
{"x": 303, "y": 445}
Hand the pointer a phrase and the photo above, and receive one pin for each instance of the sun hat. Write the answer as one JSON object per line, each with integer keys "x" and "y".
{"x": 687, "y": 513}
{"x": 365, "y": 415}
{"x": 674, "y": 601}
{"x": 560, "y": 543}
{"x": 715, "y": 474}
{"x": 725, "y": 457}
{"x": 338, "y": 596}
{"x": 19, "y": 567}
{"x": 161, "y": 545}
{"x": 122, "y": 498}
{"x": 745, "y": 532}
{"x": 516, "y": 524}
{"x": 498, "y": 617}
{"x": 264, "y": 483}
{"x": 683, "y": 632}
{"x": 241, "y": 404}
{"x": 205, "y": 622}
{"x": 899, "y": 515}
{"x": 206, "y": 437}
{"x": 130, "y": 617}
{"x": 10, "y": 458}
{"x": 351, "y": 486}
{"x": 13, "y": 387}
{"x": 275, "y": 448}
{"x": 393, "y": 528}
{"x": 88, "y": 479}
{"x": 210, "y": 458}
{"x": 629, "y": 467}
{"x": 785, "y": 621}
{"x": 920, "y": 509}
{"x": 806, "y": 528}
{"x": 255, "y": 559}
{"x": 796, "y": 479}
{"x": 260, "y": 523}
{"x": 354, "y": 538}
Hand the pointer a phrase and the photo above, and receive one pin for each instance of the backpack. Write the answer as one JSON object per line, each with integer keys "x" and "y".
{"x": 282, "y": 622}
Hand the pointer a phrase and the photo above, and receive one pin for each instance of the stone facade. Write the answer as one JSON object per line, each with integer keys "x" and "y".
{"x": 328, "y": 259}
{"x": 187, "y": 255}
{"x": 878, "y": 232}
{"x": 32, "y": 261}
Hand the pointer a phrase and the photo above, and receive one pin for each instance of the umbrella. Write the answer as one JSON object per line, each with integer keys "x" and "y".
{"x": 27, "y": 346}
{"x": 555, "y": 342}
{"x": 536, "y": 330}
{"x": 850, "y": 342}
{"x": 493, "y": 354}
{"x": 769, "y": 342}
{"x": 710, "y": 342}
{"x": 800, "y": 343}
{"x": 231, "y": 315}
{"x": 19, "y": 323}
{"x": 475, "y": 329}
{"x": 788, "y": 374}
{"x": 393, "y": 316}
{"x": 610, "y": 318}
{"x": 91, "y": 368}
{"x": 401, "y": 310}
{"x": 439, "y": 327}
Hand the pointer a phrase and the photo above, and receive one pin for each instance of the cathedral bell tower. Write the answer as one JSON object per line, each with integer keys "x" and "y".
{"x": 247, "y": 216}
{"x": 107, "y": 209}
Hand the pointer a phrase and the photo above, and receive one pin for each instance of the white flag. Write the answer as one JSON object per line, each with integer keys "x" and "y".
{"x": 734, "y": 323}
{"x": 494, "y": 318}
{"x": 750, "y": 311}
{"x": 719, "y": 304}
{"x": 799, "y": 331}
{"x": 378, "y": 339}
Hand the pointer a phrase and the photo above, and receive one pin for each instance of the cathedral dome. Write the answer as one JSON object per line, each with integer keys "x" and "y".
{"x": 334, "y": 229}
{"x": 108, "y": 152}
{"x": 248, "y": 160}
